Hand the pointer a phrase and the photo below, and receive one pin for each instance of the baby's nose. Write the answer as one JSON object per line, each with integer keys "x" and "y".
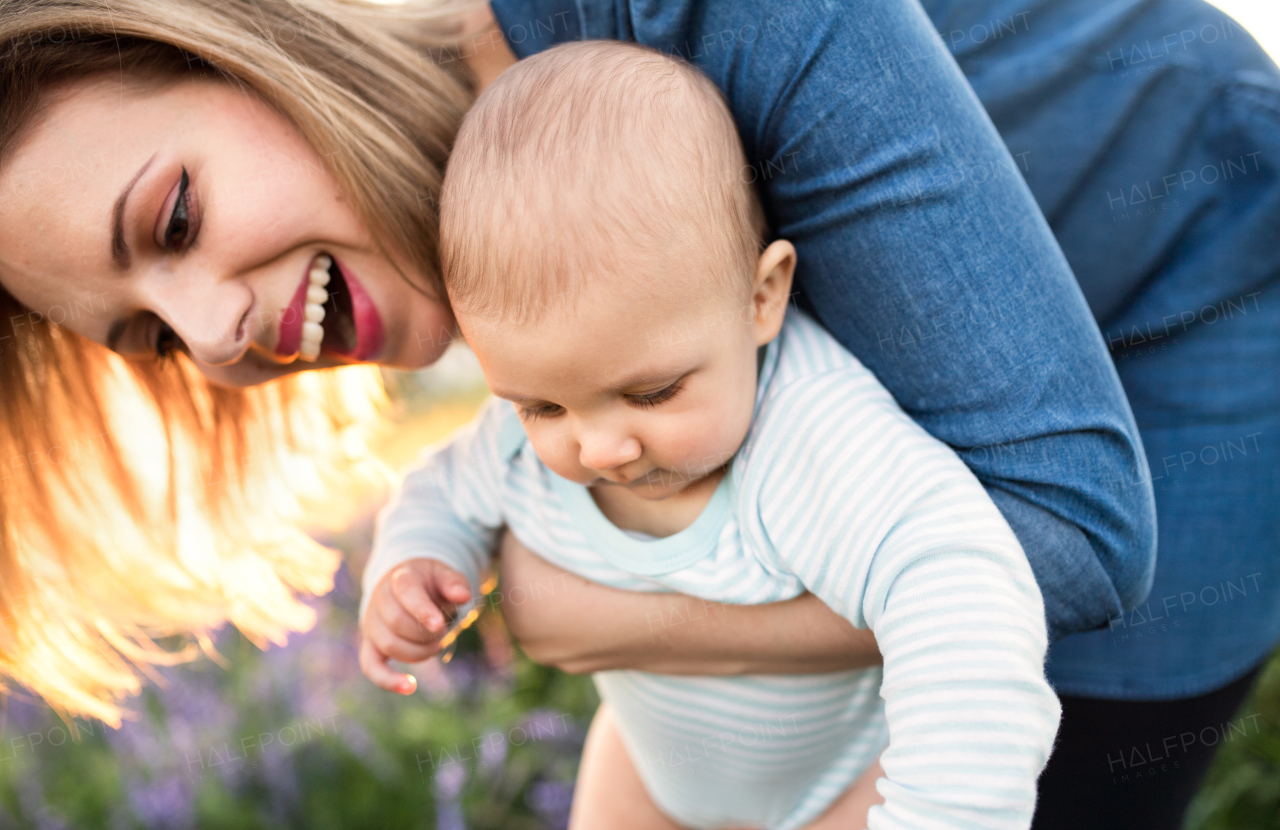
{"x": 605, "y": 453}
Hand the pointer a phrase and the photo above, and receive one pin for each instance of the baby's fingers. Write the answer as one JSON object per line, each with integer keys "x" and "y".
{"x": 452, "y": 586}
{"x": 374, "y": 665}
{"x": 410, "y": 591}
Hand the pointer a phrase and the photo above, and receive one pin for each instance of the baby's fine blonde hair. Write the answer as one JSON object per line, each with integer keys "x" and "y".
{"x": 140, "y": 501}
{"x": 580, "y": 158}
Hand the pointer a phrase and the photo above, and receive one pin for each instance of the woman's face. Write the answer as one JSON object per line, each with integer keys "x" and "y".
{"x": 192, "y": 216}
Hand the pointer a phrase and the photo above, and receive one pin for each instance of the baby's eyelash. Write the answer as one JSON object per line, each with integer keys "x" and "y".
{"x": 535, "y": 412}
{"x": 656, "y": 398}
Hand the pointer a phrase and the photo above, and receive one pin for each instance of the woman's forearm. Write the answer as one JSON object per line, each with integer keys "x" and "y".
{"x": 580, "y": 626}
{"x": 921, "y": 249}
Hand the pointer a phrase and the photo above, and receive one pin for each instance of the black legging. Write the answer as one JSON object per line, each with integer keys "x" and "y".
{"x": 1135, "y": 765}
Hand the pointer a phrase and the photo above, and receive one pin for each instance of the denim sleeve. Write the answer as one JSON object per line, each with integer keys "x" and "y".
{"x": 922, "y": 250}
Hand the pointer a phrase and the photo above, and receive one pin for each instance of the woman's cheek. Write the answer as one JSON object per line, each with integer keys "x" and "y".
{"x": 440, "y": 332}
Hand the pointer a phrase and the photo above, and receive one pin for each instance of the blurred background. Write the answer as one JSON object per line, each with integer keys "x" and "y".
{"x": 295, "y": 737}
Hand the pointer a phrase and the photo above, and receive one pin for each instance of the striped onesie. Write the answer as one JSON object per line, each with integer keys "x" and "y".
{"x": 835, "y": 491}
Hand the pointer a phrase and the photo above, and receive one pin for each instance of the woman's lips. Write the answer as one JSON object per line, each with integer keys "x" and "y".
{"x": 290, "y": 331}
{"x": 365, "y": 318}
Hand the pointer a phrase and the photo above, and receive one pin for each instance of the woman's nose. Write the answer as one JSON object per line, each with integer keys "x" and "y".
{"x": 211, "y": 316}
{"x": 605, "y": 450}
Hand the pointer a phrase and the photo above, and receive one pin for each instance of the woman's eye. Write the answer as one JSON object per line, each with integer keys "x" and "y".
{"x": 177, "y": 231}
{"x": 655, "y": 398}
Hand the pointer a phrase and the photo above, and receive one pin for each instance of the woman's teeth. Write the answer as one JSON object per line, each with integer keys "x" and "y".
{"x": 313, "y": 309}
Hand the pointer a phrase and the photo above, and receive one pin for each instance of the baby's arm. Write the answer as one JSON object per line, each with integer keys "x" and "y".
{"x": 432, "y": 545}
{"x": 970, "y": 713}
{"x": 889, "y": 528}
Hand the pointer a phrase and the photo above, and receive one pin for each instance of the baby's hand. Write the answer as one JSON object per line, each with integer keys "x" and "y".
{"x": 406, "y": 618}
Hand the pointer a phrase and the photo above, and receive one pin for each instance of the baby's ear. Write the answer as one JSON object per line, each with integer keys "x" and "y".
{"x": 772, "y": 291}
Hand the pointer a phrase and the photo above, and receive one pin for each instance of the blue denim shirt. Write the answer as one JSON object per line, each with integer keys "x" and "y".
{"x": 1150, "y": 132}
{"x": 923, "y": 249}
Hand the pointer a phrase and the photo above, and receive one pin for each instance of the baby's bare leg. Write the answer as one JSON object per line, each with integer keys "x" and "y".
{"x": 609, "y": 793}
{"x": 849, "y": 812}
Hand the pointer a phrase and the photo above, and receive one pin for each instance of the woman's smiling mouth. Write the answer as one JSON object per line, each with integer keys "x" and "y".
{"x": 330, "y": 314}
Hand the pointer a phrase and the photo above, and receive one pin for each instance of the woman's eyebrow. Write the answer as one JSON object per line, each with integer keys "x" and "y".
{"x": 119, "y": 248}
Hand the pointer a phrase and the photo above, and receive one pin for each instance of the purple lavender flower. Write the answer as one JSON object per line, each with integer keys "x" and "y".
{"x": 466, "y": 672}
{"x": 449, "y": 816}
{"x": 493, "y": 752}
{"x": 166, "y": 802}
{"x": 282, "y": 782}
{"x": 32, "y": 801}
{"x": 551, "y": 801}
{"x": 449, "y": 781}
{"x": 22, "y": 716}
{"x": 434, "y": 681}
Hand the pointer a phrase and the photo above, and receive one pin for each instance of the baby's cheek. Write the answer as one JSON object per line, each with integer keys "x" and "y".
{"x": 713, "y": 440}
{"x": 558, "y": 453}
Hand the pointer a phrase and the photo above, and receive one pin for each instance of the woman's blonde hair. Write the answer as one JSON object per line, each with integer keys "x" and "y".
{"x": 137, "y": 500}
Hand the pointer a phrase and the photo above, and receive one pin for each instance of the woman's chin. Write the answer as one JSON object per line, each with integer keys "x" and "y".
{"x": 408, "y": 359}
{"x": 248, "y": 371}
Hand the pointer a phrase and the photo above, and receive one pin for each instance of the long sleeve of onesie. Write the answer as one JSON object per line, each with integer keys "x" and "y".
{"x": 922, "y": 557}
{"x": 448, "y": 506}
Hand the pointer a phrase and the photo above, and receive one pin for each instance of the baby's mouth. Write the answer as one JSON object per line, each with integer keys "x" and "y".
{"x": 653, "y": 478}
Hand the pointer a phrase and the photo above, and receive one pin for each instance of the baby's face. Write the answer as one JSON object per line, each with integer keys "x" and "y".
{"x": 645, "y": 386}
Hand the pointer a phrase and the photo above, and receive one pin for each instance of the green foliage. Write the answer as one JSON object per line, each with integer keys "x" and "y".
{"x": 1242, "y": 789}
{"x": 296, "y": 737}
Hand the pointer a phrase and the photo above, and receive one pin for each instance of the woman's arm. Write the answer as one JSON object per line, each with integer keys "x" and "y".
{"x": 922, "y": 250}
{"x": 580, "y": 626}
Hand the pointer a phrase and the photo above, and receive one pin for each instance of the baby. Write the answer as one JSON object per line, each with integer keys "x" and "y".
{"x": 663, "y": 422}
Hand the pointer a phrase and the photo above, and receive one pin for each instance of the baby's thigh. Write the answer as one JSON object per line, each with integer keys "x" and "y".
{"x": 849, "y": 812}
{"x": 609, "y": 793}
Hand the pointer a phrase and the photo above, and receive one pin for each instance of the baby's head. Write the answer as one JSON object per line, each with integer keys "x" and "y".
{"x": 602, "y": 248}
